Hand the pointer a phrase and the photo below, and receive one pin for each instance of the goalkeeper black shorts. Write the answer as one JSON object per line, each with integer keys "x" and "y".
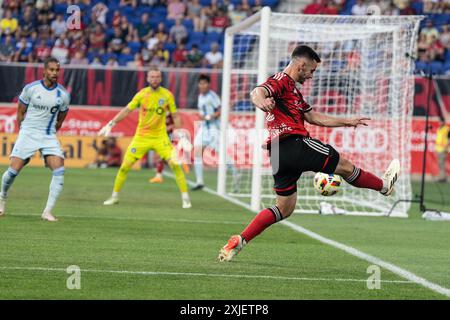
{"x": 293, "y": 155}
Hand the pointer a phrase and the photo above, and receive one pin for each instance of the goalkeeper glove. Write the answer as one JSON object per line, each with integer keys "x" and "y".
{"x": 106, "y": 130}
{"x": 208, "y": 117}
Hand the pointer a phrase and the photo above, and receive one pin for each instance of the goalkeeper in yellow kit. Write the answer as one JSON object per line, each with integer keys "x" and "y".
{"x": 153, "y": 101}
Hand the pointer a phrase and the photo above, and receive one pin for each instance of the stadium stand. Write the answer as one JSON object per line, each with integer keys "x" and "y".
{"x": 126, "y": 32}
{"x": 434, "y": 43}
{"x": 117, "y": 32}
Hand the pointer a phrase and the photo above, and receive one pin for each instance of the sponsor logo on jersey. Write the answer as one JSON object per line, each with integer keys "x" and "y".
{"x": 270, "y": 117}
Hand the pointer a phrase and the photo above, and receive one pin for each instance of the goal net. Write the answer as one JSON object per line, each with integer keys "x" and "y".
{"x": 365, "y": 71}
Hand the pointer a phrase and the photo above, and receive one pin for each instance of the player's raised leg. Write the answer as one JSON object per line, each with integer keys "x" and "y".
{"x": 56, "y": 164}
{"x": 284, "y": 207}
{"x": 363, "y": 179}
{"x": 8, "y": 177}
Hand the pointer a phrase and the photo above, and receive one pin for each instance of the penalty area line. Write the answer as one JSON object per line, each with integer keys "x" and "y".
{"x": 195, "y": 274}
{"x": 350, "y": 250}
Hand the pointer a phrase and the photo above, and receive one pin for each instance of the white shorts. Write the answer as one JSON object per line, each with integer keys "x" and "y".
{"x": 207, "y": 138}
{"x": 28, "y": 143}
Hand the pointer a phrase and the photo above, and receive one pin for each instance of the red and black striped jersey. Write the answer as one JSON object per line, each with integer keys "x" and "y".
{"x": 170, "y": 123}
{"x": 287, "y": 118}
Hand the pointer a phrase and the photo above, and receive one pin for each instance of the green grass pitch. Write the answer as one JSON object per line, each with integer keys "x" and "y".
{"x": 147, "y": 247}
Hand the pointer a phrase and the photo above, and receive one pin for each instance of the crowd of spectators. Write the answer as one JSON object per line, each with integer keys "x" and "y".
{"x": 134, "y": 33}
{"x": 433, "y": 47}
{"x": 177, "y": 33}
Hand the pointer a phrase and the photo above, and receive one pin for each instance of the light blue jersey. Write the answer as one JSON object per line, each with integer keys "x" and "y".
{"x": 38, "y": 129}
{"x": 208, "y": 134}
{"x": 43, "y": 105}
{"x": 208, "y": 104}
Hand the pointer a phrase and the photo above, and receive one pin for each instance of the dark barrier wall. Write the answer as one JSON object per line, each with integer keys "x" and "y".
{"x": 106, "y": 87}
{"x": 116, "y": 87}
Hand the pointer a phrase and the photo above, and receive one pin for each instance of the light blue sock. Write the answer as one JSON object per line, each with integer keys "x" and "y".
{"x": 198, "y": 165}
{"x": 56, "y": 187}
{"x": 7, "y": 180}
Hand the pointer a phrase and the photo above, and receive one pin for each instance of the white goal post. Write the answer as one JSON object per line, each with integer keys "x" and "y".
{"x": 366, "y": 70}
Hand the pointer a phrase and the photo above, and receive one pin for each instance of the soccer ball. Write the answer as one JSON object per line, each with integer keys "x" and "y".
{"x": 327, "y": 184}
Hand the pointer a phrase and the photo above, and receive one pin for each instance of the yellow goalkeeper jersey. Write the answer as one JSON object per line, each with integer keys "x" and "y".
{"x": 153, "y": 105}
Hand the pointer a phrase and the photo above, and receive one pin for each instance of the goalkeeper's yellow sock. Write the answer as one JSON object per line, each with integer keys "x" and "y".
{"x": 179, "y": 176}
{"x": 121, "y": 177}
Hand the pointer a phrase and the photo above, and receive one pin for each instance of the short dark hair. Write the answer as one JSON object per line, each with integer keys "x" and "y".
{"x": 305, "y": 51}
{"x": 50, "y": 60}
{"x": 154, "y": 68}
{"x": 204, "y": 77}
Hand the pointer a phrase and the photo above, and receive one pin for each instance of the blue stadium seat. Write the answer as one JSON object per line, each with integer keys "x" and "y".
{"x": 91, "y": 55}
{"x": 349, "y": 4}
{"x": 205, "y": 3}
{"x": 270, "y": 3}
{"x": 134, "y": 46}
{"x": 205, "y": 47}
{"x": 127, "y": 11}
{"x": 160, "y": 11}
{"x": 196, "y": 37}
{"x": 421, "y": 66}
{"x": 60, "y": 8}
{"x": 170, "y": 47}
{"x": 169, "y": 23}
{"x": 446, "y": 67}
{"x": 213, "y": 37}
{"x": 437, "y": 67}
{"x": 417, "y": 7}
{"x": 440, "y": 20}
{"x": 105, "y": 57}
{"x": 124, "y": 59}
{"x": 189, "y": 24}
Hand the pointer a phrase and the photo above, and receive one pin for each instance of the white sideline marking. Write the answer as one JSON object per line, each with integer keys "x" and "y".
{"x": 354, "y": 252}
{"x": 194, "y": 274}
{"x": 131, "y": 218}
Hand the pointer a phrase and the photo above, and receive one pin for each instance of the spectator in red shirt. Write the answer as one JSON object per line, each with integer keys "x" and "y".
{"x": 315, "y": 7}
{"x": 219, "y": 22}
{"x": 179, "y": 56}
{"x": 330, "y": 8}
{"x": 97, "y": 39}
{"x": 113, "y": 156}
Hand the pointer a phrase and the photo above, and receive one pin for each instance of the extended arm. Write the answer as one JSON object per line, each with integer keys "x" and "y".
{"x": 60, "y": 119}
{"x": 260, "y": 98}
{"x": 21, "y": 110}
{"x": 106, "y": 130}
{"x": 323, "y": 120}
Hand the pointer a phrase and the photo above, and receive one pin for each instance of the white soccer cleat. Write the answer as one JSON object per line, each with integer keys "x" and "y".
{"x": 187, "y": 204}
{"x": 48, "y": 216}
{"x": 112, "y": 200}
{"x": 2, "y": 206}
{"x": 390, "y": 177}
{"x": 232, "y": 248}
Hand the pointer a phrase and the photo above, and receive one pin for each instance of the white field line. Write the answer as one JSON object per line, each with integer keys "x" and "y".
{"x": 194, "y": 274}
{"x": 129, "y": 218}
{"x": 354, "y": 252}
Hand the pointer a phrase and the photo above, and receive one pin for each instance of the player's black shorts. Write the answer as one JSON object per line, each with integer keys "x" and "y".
{"x": 295, "y": 154}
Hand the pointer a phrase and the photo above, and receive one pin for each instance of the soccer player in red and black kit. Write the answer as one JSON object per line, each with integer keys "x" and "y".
{"x": 292, "y": 151}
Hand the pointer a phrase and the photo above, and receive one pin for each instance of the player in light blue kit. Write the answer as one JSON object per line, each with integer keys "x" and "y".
{"x": 208, "y": 133}
{"x": 43, "y": 106}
